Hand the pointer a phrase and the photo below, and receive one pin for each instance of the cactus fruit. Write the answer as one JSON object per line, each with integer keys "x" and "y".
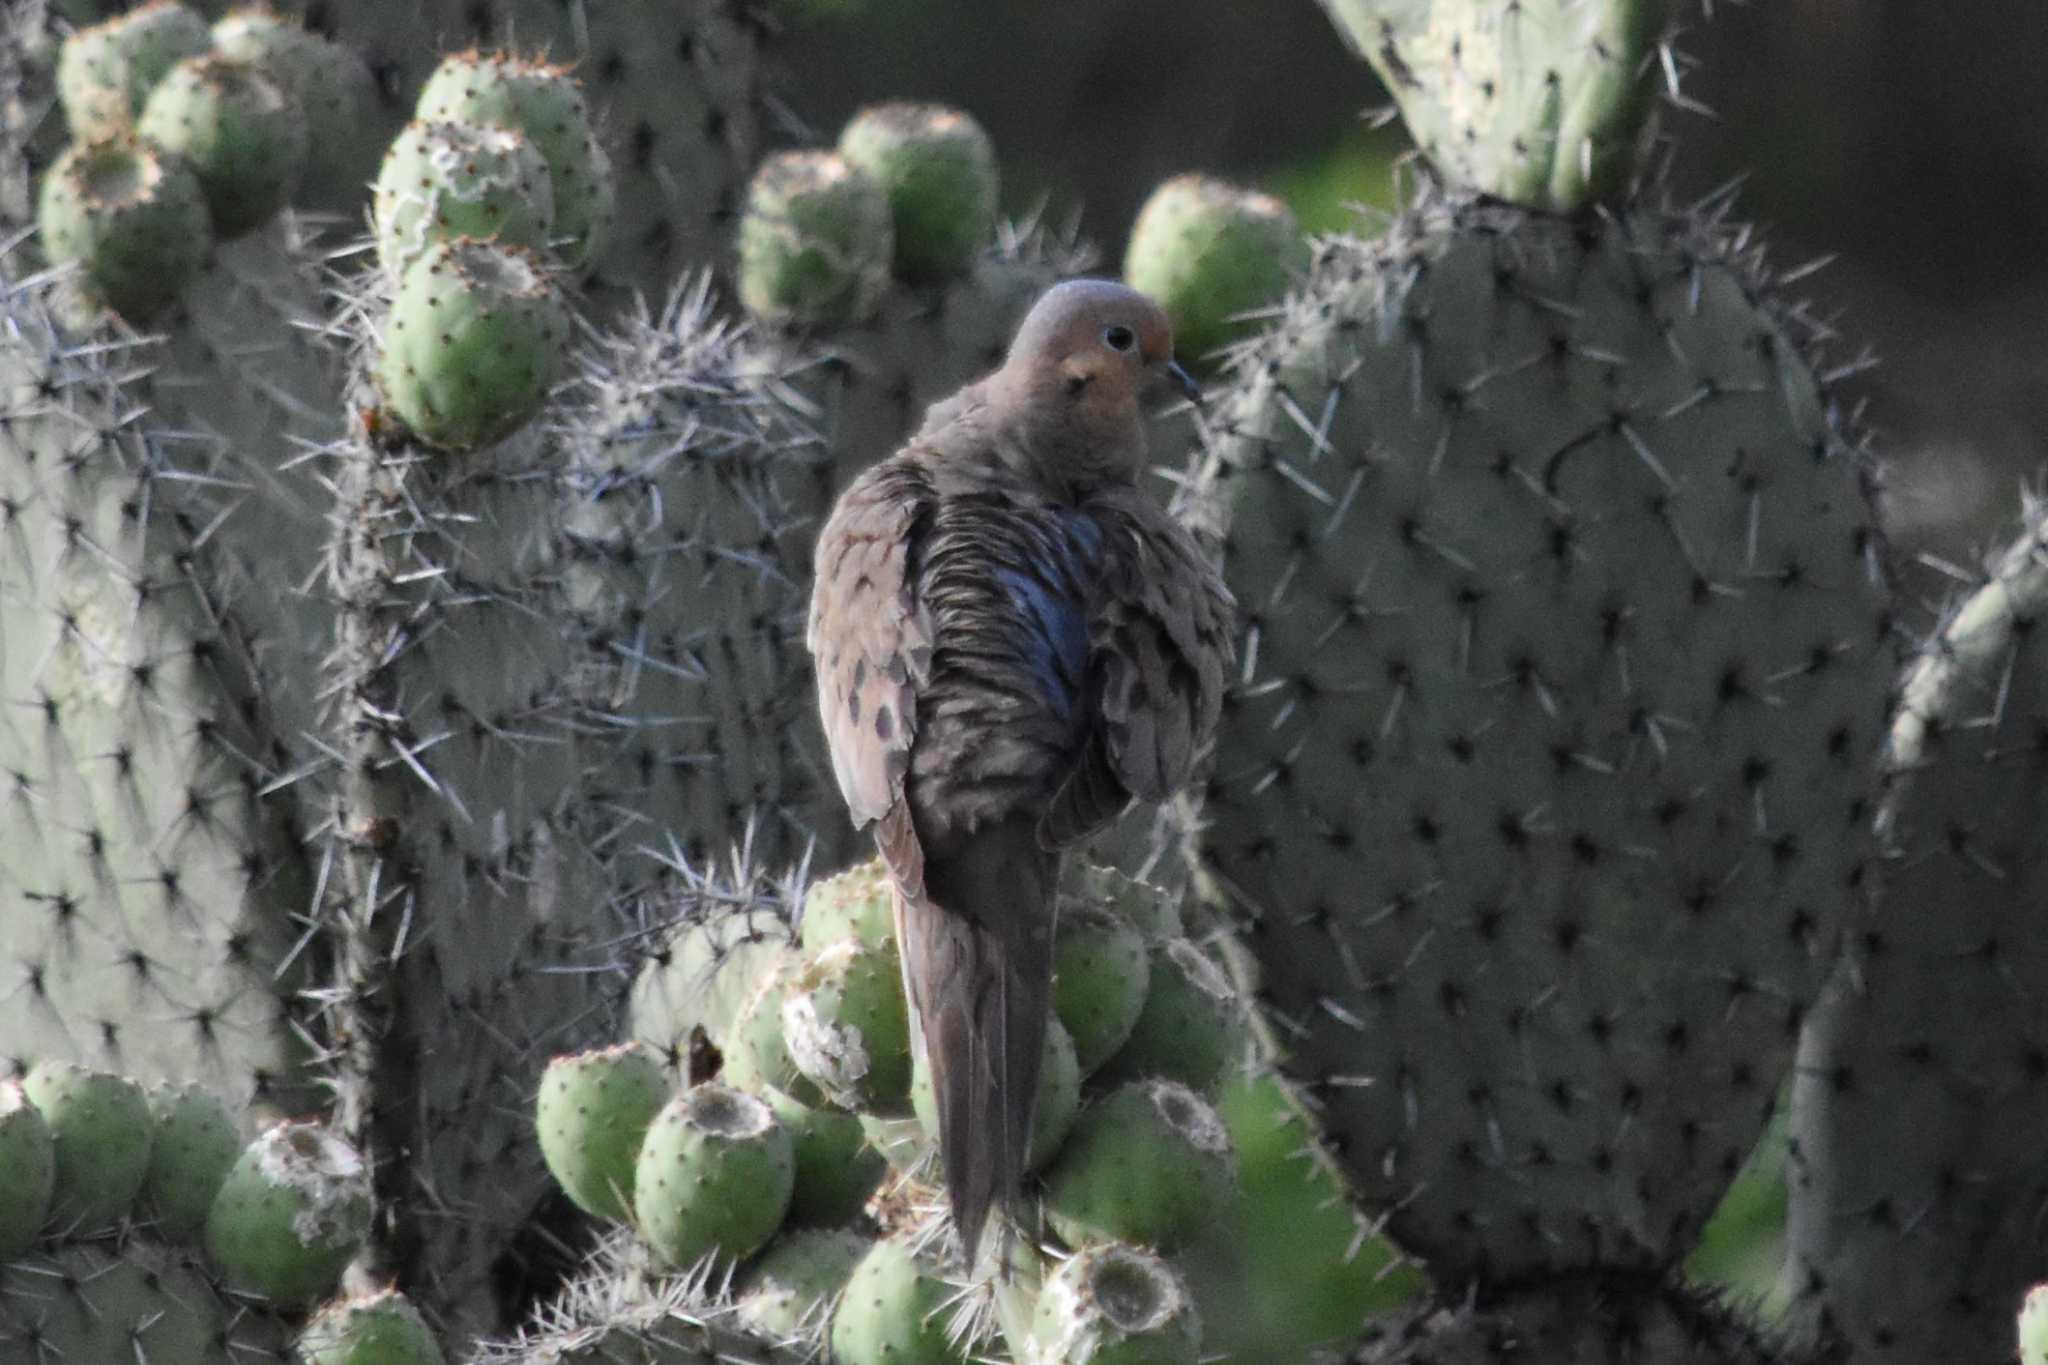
{"x": 1116, "y": 1305}
{"x": 131, "y": 1301}
{"x": 815, "y": 242}
{"x": 132, "y": 218}
{"x": 847, "y": 1027}
{"x": 474, "y": 340}
{"x": 714, "y": 1176}
{"x": 290, "y": 1215}
{"x": 242, "y": 133}
{"x": 101, "y": 1133}
{"x": 789, "y": 1290}
{"x": 28, "y": 1171}
{"x": 938, "y": 169}
{"x": 836, "y": 1169}
{"x": 1052, "y": 1115}
{"x": 895, "y": 1310}
{"x": 2033, "y": 1327}
{"x": 853, "y": 904}
{"x": 331, "y": 84}
{"x": 757, "y": 1051}
{"x": 593, "y": 1112}
{"x": 1924, "y": 1060}
{"x": 106, "y": 71}
{"x": 703, "y": 972}
{"x": 371, "y": 1329}
{"x": 1541, "y": 104}
{"x": 1148, "y": 1163}
{"x": 1212, "y": 254}
{"x": 1190, "y": 1026}
{"x": 195, "y": 1147}
{"x": 543, "y": 102}
{"x": 1569, "y": 631}
{"x": 440, "y": 181}
{"x": 1100, "y": 973}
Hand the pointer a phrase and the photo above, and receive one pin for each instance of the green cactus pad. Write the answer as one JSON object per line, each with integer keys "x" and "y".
{"x": 475, "y": 338}
{"x": 242, "y": 133}
{"x": 440, "y": 181}
{"x": 28, "y": 1171}
{"x": 757, "y": 1051}
{"x": 373, "y": 1329}
{"x": 895, "y": 1311}
{"x": 195, "y": 1147}
{"x": 854, "y": 904}
{"x": 714, "y": 1176}
{"x": 1191, "y": 1026}
{"x": 593, "y": 1112}
{"x": 789, "y": 1290}
{"x": 1099, "y": 977}
{"x": 1116, "y": 1305}
{"x": 332, "y": 85}
{"x": 836, "y": 1168}
{"x": 107, "y": 70}
{"x": 1052, "y": 1118}
{"x": 290, "y": 1215}
{"x": 1209, "y": 252}
{"x": 815, "y": 242}
{"x": 847, "y": 1026}
{"x": 132, "y": 218}
{"x": 1149, "y": 1163}
{"x": 102, "y": 1133}
{"x": 544, "y": 103}
{"x": 938, "y": 169}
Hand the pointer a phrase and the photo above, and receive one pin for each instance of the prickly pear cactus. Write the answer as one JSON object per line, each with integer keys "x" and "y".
{"x": 1926, "y": 1060}
{"x": 1546, "y": 786}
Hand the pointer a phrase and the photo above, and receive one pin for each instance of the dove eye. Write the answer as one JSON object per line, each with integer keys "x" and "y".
{"x": 1119, "y": 338}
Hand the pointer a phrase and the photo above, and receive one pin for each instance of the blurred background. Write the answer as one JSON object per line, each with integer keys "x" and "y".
{"x": 1906, "y": 139}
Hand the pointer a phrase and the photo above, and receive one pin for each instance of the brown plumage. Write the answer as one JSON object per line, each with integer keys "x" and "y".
{"x": 1012, "y": 643}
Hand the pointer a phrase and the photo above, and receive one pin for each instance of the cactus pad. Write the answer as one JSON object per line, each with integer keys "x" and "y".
{"x": 242, "y": 133}
{"x": 132, "y": 218}
{"x": 107, "y": 70}
{"x": 441, "y": 181}
{"x": 291, "y": 1213}
{"x": 593, "y": 1112}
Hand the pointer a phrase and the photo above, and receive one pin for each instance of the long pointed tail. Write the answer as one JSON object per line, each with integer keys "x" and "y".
{"x": 977, "y": 965}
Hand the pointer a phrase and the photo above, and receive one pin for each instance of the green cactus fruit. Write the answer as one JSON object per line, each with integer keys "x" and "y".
{"x": 331, "y": 83}
{"x": 836, "y": 1168}
{"x": 815, "y": 242}
{"x": 1191, "y": 1027}
{"x": 1052, "y": 1119}
{"x": 290, "y": 1215}
{"x": 1541, "y": 104}
{"x": 242, "y": 132}
{"x": 1100, "y": 971}
{"x": 107, "y": 70}
{"x": 1149, "y": 1163}
{"x": 440, "y": 181}
{"x": 896, "y": 1310}
{"x": 476, "y": 335}
{"x": 2033, "y": 1326}
{"x": 847, "y": 1027}
{"x": 788, "y": 1292}
{"x": 1116, "y": 1305}
{"x": 1213, "y": 255}
{"x": 757, "y": 1053}
{"x": 544, "y": 103}
{"x": 371, "y": 1329}
{"x": 195, "y": 1147}
{"x": 714, "y": 1177}
{"x": 28, "y": 1171}
{"x": 132, "y": 218}
{"x": 593, "y": 1112}
{"x": 854, "y": 904}
{"x": 938, "y": 169}
{"x": 101, "y": 1130}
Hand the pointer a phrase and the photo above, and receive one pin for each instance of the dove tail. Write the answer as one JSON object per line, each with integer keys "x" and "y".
{"x": 977, "y": 966}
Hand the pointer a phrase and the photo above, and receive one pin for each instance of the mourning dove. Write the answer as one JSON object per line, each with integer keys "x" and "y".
{"x": 1013, "y": 643}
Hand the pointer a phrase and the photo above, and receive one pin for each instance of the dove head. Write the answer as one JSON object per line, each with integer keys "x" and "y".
{"x": 1084, "y": 359}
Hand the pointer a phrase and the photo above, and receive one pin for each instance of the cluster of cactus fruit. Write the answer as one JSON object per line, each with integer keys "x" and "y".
{"x": 374, "y": 709}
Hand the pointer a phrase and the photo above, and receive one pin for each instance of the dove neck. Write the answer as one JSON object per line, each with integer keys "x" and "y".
{"x": 1043, "y": 435}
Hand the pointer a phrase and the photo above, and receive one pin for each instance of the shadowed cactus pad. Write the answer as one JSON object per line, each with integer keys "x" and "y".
{"x": 789, "y": 1291}
{"x": 132, "y": 218}
{"x": 938, "y": 169}
{"x": 132, "y": 1301}
{"x": 239, "y": 129}
{"x": 1191, "y": 1024}
{"x": 441, "y": 181}
{"x": 330, "y": 83}
{"x": 101, "y": 1131}
{"x": 195, "y": 1146}
{"x": 107, "y": 70}
{"x": 1209, "y": 251}
{"x": 28, "y": 1170}
{"x": 815, "y": 242}
{"x": 290, "y": 1215}
{"x": 1100, "y": 973}
{"x": 1547, "y": 787}
{"x": 1116, "y": 1305}
{"x": 714, "y": 1176}
{"x": 836, "y": 1169}
{"x": 592, "y": 1115}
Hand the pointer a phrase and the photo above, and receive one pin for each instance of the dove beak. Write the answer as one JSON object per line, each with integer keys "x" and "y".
{"x": 1185, "y": 382}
